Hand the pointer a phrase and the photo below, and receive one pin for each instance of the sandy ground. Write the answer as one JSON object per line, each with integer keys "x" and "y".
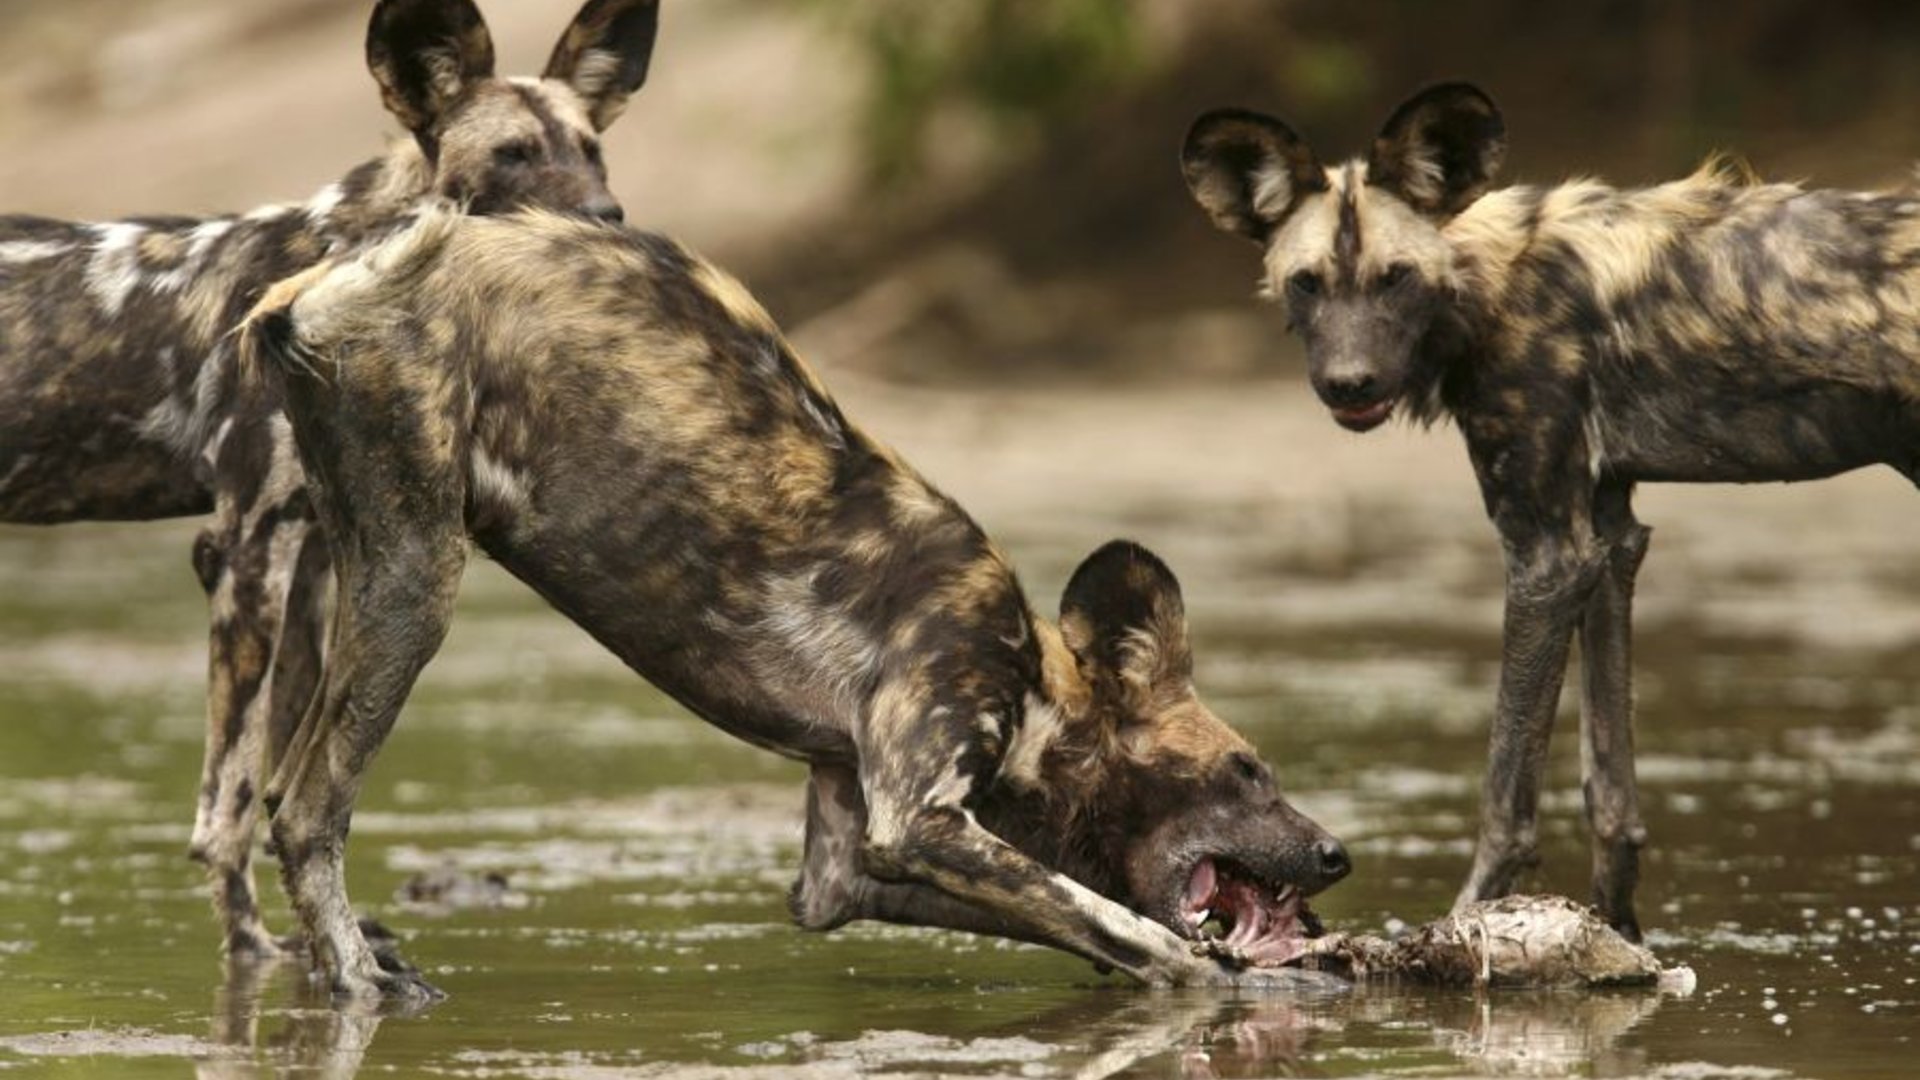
{"x": 197, "y": 106}
{"x": 1198, "y": 466}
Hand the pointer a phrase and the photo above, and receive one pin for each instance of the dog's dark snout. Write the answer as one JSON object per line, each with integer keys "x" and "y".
{"x": 1333, "y": 860}
{"x": 605, "y": 210}
{"x": 1351, "y": 391}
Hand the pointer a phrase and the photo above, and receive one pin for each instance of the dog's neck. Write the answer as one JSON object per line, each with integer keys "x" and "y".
{"x": 373, "y": 197}
{"x": 1047, "y": 798}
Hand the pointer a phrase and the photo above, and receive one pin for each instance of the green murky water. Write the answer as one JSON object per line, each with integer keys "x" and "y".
{"x": 643, "y": 933}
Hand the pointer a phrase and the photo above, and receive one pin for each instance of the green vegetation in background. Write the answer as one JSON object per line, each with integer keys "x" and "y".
{"x": 1019, "y": 63}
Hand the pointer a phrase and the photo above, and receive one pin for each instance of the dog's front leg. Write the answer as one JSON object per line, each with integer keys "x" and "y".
{"x": 919, "y": 832}
{"x": 246, "y": 561}
{"x": 1549, "y": 577}
{"x": 834, "y": 887}
{"x": 1606, "y": 713}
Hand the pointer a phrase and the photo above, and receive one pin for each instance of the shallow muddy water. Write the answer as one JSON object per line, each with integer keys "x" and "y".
{"x": 1348, "y": 627}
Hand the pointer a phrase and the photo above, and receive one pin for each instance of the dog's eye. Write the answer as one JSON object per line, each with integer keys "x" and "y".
{"x": 1395, "y": 274}
{"x": 1248, "y": 768}
{"x": 591, "y": 148}
{"x": 1304, "y": 283}
{"x": 517, "y": 153}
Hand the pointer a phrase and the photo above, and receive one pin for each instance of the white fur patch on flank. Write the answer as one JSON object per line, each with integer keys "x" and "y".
{"x": 26, "y": 251}
{"x": 169, "y": 422}
{"x": 115, "y": 267}
{"x": 498, "y": 487}
{"x": 321, "y": 205}
{"x": 199, "y": 242}
{"x": 1039, "y": 729}
{"x": 798, "y": 634}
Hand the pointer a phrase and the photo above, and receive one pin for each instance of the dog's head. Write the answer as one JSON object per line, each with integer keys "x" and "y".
{"x": 1161, "y": 804}
{"x": 498, "y": 144}
{"x": 1355, "y": 251}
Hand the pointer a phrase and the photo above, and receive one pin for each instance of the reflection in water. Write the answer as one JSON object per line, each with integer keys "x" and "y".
{"x": 1552, "y": 1034}
{"x": 1203, "y": 1036}
{"x": 1195, "y": 1031}
{"x": 1496, "y": 1033}
{"x": 315, "y": 1037}
{"x": 1096, "y": 1036}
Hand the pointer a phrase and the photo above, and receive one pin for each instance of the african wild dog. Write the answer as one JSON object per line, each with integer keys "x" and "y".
{"x": 1585, "y": 339}
{"x": 118, "y": 395}
{"x": 624, "y": 429}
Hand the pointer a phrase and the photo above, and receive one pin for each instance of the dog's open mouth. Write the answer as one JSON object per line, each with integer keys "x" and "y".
{"x": 1269, "y": 925}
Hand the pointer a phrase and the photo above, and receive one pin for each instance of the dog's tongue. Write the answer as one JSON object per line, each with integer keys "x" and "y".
{"x": 1201, "y": 885}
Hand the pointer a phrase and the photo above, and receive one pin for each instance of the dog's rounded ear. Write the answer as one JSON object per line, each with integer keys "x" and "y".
{"x": 1248, "y": 171}
{"x": 1441, "y": 149}
{"x": 605, "y": 53}
{"x": 425, "y": 54}
{"x": 1123, "y": 618}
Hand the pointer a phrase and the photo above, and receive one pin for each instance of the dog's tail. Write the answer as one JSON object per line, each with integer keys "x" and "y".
{"x": 341, "y": 298}
{"x": 269, "y": 345}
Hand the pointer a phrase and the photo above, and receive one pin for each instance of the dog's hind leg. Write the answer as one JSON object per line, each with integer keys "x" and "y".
{"x": 298, "y": 656}
{"x": 1606, "y": 713}
{"x": 395, "y": 601}
{"x": 246, "y": 561}
{"x": 382, "y": 473}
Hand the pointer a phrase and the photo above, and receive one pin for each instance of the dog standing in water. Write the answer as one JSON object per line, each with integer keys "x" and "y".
{"x": 1585, "y": 339}
{"x": 623, "y": 428}
{"x": 118, "y": 395}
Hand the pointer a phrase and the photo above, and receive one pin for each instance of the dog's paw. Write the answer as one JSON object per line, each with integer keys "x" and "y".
{"x": 1228, "y": 956}
{"x": 402, "y": 990}
{"x": 260, "y": 947}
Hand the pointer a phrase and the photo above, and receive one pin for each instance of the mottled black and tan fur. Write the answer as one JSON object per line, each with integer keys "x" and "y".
{"x": 623, "y": 428}
{"x": 118, "y": 391}
{"x": 1585, "y": 339}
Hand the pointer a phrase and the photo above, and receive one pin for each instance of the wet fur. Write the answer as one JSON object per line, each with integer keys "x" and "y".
{"x": 620, "y": 426}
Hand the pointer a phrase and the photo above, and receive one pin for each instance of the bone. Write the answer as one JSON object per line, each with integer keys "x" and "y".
{"x": 1515, "y": 941}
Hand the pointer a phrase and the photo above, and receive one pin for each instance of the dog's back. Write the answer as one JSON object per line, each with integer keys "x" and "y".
{"x": 1725, "y": 330}
{"x": 636, "y": 440}
{"x": 116, "y": 374}
{"x": 112, "y": 358}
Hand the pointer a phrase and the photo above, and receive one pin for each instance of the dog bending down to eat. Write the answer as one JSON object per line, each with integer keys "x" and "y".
{"x": 1585, "y": 339}
{"x": 118, "y": 391}
{"x": 623, "y": 428}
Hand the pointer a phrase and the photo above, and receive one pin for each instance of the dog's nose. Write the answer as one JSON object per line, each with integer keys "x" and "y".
{"x": 605, "y": 210}
{"x": 1349, "y": 391}
{"x": 1333, "y": 860}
